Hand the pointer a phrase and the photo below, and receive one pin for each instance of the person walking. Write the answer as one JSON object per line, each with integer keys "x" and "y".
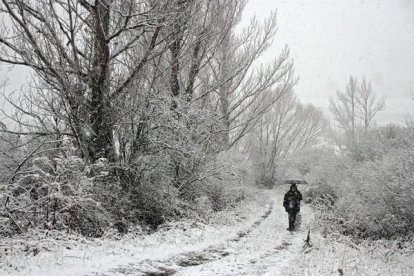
{"x": 291, "y": 202}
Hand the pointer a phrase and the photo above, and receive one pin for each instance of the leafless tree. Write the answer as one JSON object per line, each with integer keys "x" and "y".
{"x": 84, "y": 56}
{"x": 409, "y": 119}
{"x": 240, "y": 87}
{"x": 289, "y": 127}
{"x": 368, "y": 103}
{"x": 354, "y": 111}
{"x": 177, "y": 74}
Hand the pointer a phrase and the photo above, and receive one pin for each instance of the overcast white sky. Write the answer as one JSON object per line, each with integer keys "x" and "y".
{"x": 333, "y": 39}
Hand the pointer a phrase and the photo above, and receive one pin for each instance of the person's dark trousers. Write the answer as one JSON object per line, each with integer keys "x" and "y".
{"x": 292, "y": 219}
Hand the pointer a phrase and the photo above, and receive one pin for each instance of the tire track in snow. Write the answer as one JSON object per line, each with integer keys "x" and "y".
{"x": 215, "y": 252}
{"x": 171, "y": 265}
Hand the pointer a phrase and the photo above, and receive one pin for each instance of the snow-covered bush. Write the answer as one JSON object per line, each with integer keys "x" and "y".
{"x": 379, "y": 202}
{"x": 152, "y": 201}
{"x": 321, "y": 193}
{"x": 376, "y": 196}
{"x": 54, "y": 194}
{"x": 227, "y": 187}
{"x": 222, "y": 196}
{"x": 266, "y": 181}
{"x": 151, "y": 193}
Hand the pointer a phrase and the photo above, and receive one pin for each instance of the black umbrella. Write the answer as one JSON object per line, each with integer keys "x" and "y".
{"x": 290, "y": 182}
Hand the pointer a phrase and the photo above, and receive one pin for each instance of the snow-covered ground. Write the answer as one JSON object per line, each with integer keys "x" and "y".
{"x": 74, "y": 255}
{"x": 251, "y": 240}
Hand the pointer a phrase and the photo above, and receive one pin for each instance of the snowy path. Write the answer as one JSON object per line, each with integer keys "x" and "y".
{"x": 264, "y": 251}
{"x": 264, "y": 247}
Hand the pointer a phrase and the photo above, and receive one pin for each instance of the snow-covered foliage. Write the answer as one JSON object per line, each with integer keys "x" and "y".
{"x": 377, "y": 198}
{"x": 66, "y": 194}
{"x": 367, "y": 199}
{"x": 55, "y": 195}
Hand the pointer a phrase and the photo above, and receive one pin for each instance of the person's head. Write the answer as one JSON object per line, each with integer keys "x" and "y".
{"x": 293, "y": 187}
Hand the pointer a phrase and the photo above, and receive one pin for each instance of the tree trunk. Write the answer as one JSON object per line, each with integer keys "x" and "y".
{"x": 224, "y": 87}
{"x": 101, "y": 144}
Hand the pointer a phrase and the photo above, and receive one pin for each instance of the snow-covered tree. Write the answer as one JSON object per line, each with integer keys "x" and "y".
{"x": 289, "y": 127}
{"x": 354, "y": 110}
{"x": 84, "y": 55}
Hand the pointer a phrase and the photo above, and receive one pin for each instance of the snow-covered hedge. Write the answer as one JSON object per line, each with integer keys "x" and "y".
{"x": 66, "y": 194}
{"x": 376, "y": 196}
{"x": 54, "y": 194}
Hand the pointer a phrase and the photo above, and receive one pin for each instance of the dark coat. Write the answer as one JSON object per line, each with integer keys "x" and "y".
{"x": 291, "y": 201}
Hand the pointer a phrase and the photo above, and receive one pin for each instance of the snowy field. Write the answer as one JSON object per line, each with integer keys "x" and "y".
{"x": 251, "y": 240}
